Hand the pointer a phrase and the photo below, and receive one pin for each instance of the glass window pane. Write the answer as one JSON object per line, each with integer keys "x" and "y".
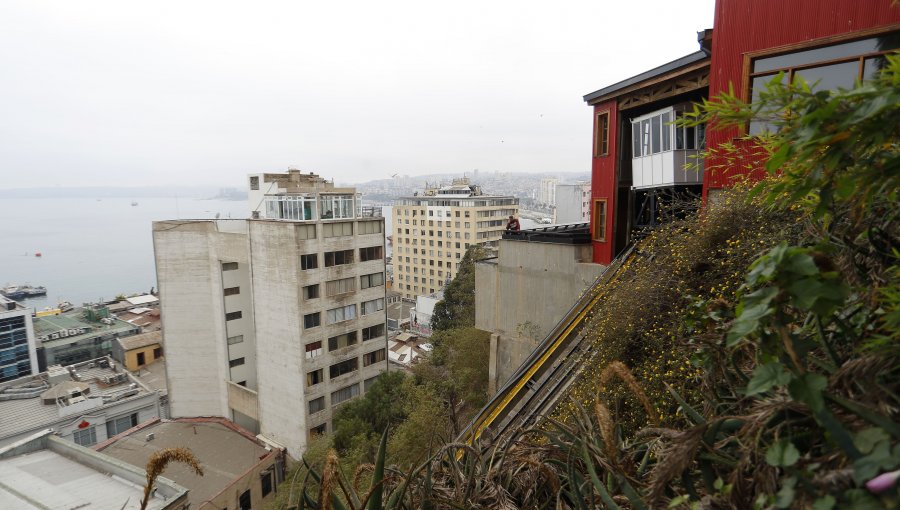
{"x": 327, "y": 207}
{"x": 635, "y": 139}
{"x": 690, "y": 140}
{"x": 837, "y": 51}
{"x": 756, "y": 87}
{"x": 655, "y": 134}
{"x": 830, "y": 77}
{"x": 645, "y": 137}
{"x": 666, "y": 131}
{"x": 679, "y": 134}
{"x": 872, "y": 66}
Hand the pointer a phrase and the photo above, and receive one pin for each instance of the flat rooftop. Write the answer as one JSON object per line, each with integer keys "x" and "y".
{"x": 399, "y": 310}
{"x": 44, "y": 472}
{"x": 225, "y": 452}
{"x": 48, "y": 329}
{"x": 571, "y": 233}
{"x": 21, "y": 415}
{"x": 154, "y": 376}
{"x": 9, "y": 305}
{"x": 46, "y": 479}
{"x": 144, "y": 299}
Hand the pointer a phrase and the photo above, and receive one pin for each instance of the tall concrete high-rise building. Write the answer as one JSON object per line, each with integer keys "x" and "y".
{"x": 548, "y": 191}
{"x": 275, "y": 320}
{"x": 573, "y": 203}
{"x": 432, "y": 231}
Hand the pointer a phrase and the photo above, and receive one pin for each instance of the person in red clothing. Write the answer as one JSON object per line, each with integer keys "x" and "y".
{"x": 512, "y": 224}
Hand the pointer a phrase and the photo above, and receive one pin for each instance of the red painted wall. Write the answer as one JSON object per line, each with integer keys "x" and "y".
{"x": 603, "y": 182}
{"x": 743, "y": 26}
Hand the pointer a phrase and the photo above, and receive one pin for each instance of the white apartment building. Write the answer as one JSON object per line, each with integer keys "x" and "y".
{"x": 18, "y": 348}
{"x": 273, "y": 322}
{"x": 548, "y": 191}
{"x": 573, "y": 203}
{"x": 432, "y": 231}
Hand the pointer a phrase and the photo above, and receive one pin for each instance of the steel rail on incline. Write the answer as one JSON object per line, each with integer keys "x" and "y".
{"x": 518, "y": 396}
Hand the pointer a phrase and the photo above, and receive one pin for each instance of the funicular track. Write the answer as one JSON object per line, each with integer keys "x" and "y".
{"x": 536, "y": 387}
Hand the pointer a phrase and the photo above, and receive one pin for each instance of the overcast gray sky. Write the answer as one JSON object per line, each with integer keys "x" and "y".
{"x": 126, "y": 93}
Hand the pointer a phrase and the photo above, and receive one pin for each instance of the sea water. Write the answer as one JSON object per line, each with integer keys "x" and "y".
{"x": 91, "y": 249}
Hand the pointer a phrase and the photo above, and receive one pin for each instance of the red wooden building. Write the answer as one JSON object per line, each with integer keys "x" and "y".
{"x": 638, "y": 159}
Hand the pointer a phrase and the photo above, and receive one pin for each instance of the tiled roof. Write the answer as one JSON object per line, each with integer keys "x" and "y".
{"x": 141, "y": 340}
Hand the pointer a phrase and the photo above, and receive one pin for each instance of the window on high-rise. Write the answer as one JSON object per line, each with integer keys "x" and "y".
{"x": 341, "y": 341}
{"x": 313, "y": 349}
{"x": 373, "y": 357}
{"x": 312, "y": 320}
{"x": 311, "y": 291}
{"x": 337, "y": 258}
{"x": 341, "y": 313}
{"x": 370, "y": 253}
{"x": 373, "y": 332}
{"x": 371, "y": 280}
{"x": 339, "y": 287}
{"x": 344, "y": 394}
{"x": 337, "y": 229}
{"x": 336, "y": 206}
{"x": 309, "y": 261}
{"x": 342, "y": 368}
{"x": 316, "y": 405}
{"x": 315, "y": 377}
{"x": 372, "y": 306}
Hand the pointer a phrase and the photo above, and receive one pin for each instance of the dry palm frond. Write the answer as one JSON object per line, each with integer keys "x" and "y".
{"x": 677, "y": 456}
{"x": 360, "y": 470}
{"x": 607, "y": 429}
{"x": 657, "y": 431}
{"x": 330, "y": 480}
{"x": 158, "y": 462}
{"x": 763, "y": 410}
{"x": 835, "y": 479}
{"x": 617, "y": 368}
{"x": 860, "y": 375}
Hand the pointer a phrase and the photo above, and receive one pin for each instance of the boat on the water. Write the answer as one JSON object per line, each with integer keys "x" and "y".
{"x": 23, "y": 291}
